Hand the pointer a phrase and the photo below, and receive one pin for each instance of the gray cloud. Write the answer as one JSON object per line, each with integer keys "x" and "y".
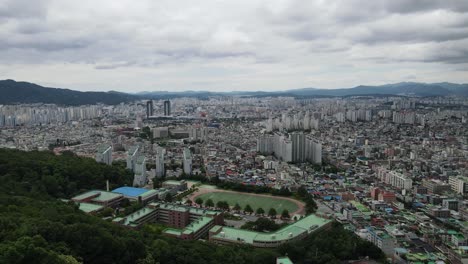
{"x": 274, "y": 39}
{"x": 23, "y": 8}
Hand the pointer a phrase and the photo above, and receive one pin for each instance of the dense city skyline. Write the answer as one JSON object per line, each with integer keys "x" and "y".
{"x": 235, "y": 46}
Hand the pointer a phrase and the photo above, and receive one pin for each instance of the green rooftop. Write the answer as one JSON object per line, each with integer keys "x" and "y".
{"x": 306, "y": 225}
{"x": 199, "y": 223}
{"x": 149, "y": 193}
{"x": 101, "y": 196}
{"x": 173, "y": 231}
{"x": 172, "y": 182}
{"x": 283, "y": 260}
{"x": 133, "y": 219}
{"x": 89, "y": 207}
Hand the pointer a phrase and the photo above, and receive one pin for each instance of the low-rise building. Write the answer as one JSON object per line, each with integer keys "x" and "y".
{"x": 103, "y": 198}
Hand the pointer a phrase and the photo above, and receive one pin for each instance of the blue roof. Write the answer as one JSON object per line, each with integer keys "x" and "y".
{"x": 130, "y": 191}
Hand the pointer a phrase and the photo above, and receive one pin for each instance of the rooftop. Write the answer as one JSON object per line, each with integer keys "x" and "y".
{"x": 307, "y": 224}
{"x": 132, "y": 219}
{"x": 101, "y": 196}
{"x": 171, "y": 182}
{"x": 89, "y": 207}
{"x": 132, "y": 191}
{"x": 283, "y": 260}
{"x": 103, "y": 148}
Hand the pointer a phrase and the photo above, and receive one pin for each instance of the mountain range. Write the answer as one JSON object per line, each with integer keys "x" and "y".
{"x": 13, "y": 92}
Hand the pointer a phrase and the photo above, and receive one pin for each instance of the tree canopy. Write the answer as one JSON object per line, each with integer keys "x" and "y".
{"x": 37, "y": 226}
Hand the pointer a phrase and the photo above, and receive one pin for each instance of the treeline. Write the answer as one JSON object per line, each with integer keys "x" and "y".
{"x": 39, "y": 174}
{"x": 330, "y": 247}
{"x": 37, "y": 227}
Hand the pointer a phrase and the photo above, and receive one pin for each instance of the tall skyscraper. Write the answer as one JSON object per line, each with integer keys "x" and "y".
{"x": 167, "y": 108}
{"x": 149, "y": 109}
{"x": 298, "y": 146}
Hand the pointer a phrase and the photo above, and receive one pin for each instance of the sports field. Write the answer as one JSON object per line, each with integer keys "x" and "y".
{"x": 255, "y": 201}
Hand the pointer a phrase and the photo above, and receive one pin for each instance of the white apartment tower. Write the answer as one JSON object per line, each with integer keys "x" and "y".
{"x": 139, "y": 179}
{"x": 187, "y": 161}
{"x": 160, "y": 171}
{"x": 104, "y": 154}
{"x": 132, "y": 155}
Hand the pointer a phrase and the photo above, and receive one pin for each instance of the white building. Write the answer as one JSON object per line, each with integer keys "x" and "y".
{"x": 394, "y": 178}
{"x": 160, "y": 152}
{"x": 187, "y": 161}
{"x": 104, "y": 154}
{"x": 132, "y": 155}
{"x": 459, "y": 184}
{"x": 139, "y": 179}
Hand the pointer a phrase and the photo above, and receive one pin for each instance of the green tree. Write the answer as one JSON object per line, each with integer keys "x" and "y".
{"x": 188, "y": 202}
{"x": 285, "y": 214}
{"x": 236, "y": 207}
{"x": 262, "y": 224}
{"x": 107, "y": 212}
{"x": 248, "y": 209}
{"x": 199, "y": 201}
{"x": 209, "y": 203}
{"x": 272, "y": 212}
{"x": 260, "y": 211}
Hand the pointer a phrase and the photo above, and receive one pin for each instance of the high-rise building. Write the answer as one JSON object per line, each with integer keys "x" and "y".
{"x": 2, "y": 120}
{"x": 198, "y": 133}
{"x": 139, "y": 179}
{"x": 161, "y": 132}
{"x": 167, "y": 108}
{"x": 187, "y": 161}
{"x": 313, "y": 150}
{"x": 104, "y": 154}
{"x": 132, "y": 155}
{"x": 160, "y": 171}
{"x": 298, "y": 146}
{"x": 149, "y": 109}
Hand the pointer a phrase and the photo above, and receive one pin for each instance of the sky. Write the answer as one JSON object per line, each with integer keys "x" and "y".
{"x": 237, "y": 45}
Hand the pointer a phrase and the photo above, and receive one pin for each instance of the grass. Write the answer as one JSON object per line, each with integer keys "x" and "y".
{"x": 255, "y": 202}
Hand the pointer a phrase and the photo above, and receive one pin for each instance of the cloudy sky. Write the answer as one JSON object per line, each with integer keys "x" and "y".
{"x": 148, "y": 45}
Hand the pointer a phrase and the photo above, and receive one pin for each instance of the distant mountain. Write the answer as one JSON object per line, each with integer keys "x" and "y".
{"x": 23, "y": 92}
{"x": 12, "y": 92}
{"x": 404, "y": 88}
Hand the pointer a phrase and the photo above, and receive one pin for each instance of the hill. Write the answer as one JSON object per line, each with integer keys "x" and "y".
{"x": 37, "y": 227}
{"x": 403, "y": 88}
{"x": 23, "y": 92}
{"x": 13, "y": 92}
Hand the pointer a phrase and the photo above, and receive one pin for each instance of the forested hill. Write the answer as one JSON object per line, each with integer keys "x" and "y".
{"x": 37, "y": 227}
{"x": 13, "y": 92}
